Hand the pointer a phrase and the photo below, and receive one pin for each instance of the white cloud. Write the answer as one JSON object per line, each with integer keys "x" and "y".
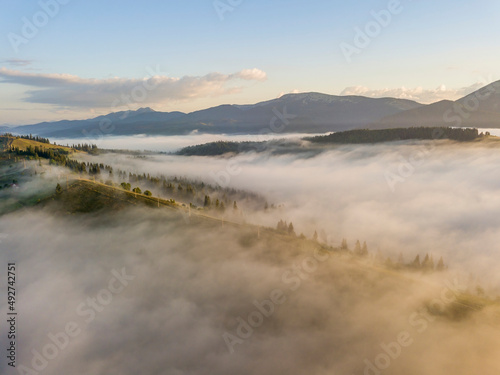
{"x": 252, "y": 75}
{"x": 70, "y": 91}
{"x": 294, "y": 91}
{"x": 418, "y": 94}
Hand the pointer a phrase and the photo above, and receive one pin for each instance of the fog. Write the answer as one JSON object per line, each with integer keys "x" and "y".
{"x": 186, "y": 286}
{"x": 172, "y": 143}
{"x": 176, "y": 142}
{"x": 441, "y": 199}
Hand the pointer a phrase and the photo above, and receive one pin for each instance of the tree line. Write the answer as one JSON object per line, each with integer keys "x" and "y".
{"x": 397, "y": 134}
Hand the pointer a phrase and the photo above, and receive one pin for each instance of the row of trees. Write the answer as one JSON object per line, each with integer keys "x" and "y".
{"x": 35, "y": 138}
{"x": 176, "y": 187}
{"x": 128, "y": 187}
{"x": 397, "y": 134}
{"x": 283, "y": 227}
{"x": 91, "y": 149}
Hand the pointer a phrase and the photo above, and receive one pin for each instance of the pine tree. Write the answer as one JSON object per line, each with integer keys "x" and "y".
{"x": 440, "y": 265}
{"x": 416, "y": 262}
{"x": 364, "y": 249}
{"x": 357, "y": 248}
{"x": 315, "y": 236}
{"x": 291, "y": 230}
{"x": 428, "y": 263}
{"x": 207, "y": 202}
{"x": 344, "y": 245}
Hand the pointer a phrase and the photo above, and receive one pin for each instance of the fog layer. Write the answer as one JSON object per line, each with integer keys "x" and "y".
{"x": 140, "y": 292}
{"x": 424, "y": 197}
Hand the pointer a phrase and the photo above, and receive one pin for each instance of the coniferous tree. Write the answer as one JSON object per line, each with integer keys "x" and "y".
{"x": 315, "y": 236}
{"x": 440, "y": 265}
{"x": 344, "y": 245}
{"x": 59, "y": 189}
{"x": 207, "y": 202}
{"x": 364, "y": 249}
{"x": 416, "y": 262}
{"x": 357, "y": 248}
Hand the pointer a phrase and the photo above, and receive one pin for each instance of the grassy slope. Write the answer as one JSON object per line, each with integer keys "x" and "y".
{"x": 7, "y": 141}
{"x": 86, "y": 196}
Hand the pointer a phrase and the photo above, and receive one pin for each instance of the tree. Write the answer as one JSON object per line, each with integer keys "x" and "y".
{"x": 235, "y": 206}
{"x": 59, "y": 189}
{"x": 282, "y": 226}
{"x": 440, "y": 265}
{"x": 291, "y": 230}
{"x": 137, "y": 190}
{"x": 207, "y": 202}
{"x": 148, "y": 193}
{"x": 428, "y": 263}
{"x": 416, "y": 262}
{"x": 125, "y": 186}
{"x": 343, "y": 245}
{"x": 315, "y": 236}
{"x": 357, "y": 248}
{"x": 364, "y": 249}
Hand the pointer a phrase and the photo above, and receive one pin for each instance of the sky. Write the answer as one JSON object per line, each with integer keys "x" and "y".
{"x": 71, "y": 59}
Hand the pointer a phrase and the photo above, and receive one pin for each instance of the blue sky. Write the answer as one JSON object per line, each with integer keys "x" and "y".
{"x": 87, "y": 54}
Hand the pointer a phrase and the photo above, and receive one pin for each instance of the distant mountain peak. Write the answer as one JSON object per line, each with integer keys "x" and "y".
{"x": 145, "y": 110}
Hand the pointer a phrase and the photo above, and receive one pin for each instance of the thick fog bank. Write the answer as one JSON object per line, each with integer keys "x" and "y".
{"x": 141, "y": 293}
{"x": 424, "y": 197}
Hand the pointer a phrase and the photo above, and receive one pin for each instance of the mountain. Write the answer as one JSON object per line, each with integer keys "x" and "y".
{"x": 480, "y": 109}
{"x": 306, "y": 113}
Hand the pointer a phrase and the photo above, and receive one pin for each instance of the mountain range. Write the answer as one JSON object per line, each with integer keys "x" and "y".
{"x": 291, "y": 113}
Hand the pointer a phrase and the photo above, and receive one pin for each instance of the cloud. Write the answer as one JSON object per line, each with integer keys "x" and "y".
{"x": 294, "y": 91}
{"x": 17, "y": 62}
{"x": 417, "y": 94}
{"x": 70, "y": 91}
{"x": 252, "y": 75}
